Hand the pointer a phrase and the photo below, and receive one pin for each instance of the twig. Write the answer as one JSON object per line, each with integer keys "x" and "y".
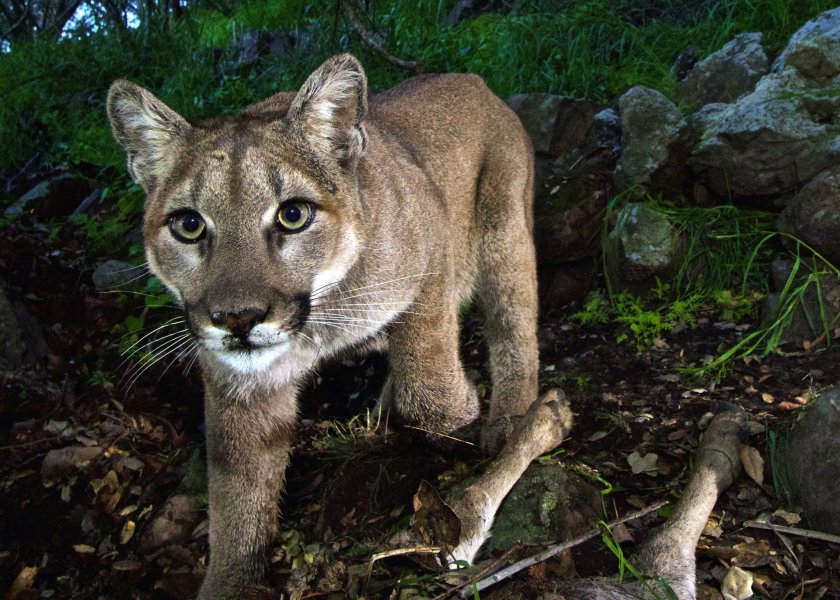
{"x": 516, "y": 567}
{"x": 806, "y": 533}
{"x": 370, "y": 40}
{"x": 397, "y": 552}
{"x": 491, "y": 568}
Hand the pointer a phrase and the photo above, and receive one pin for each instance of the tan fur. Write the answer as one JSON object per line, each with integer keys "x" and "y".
{"x": 423, "y": 200}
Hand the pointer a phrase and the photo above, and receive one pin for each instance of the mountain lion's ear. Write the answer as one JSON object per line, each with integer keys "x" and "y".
{"x": 151, "y": 133}
{"x": 330, "y": 107}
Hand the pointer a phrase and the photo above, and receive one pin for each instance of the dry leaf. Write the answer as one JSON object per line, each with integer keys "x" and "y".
{"x": 127, "y": 531}
{"x": 435, "y": 522}
{"x": 643, "y": 464}
{"x": 754, "y": 554}
{"x": 737, "y": 584}
{"x": 753, "y": 464}
{"x": 768, "y": 398}
{"x": 791, "y": 518}
{"x": 84, "y": 548}
{"x": 22, "y": 582}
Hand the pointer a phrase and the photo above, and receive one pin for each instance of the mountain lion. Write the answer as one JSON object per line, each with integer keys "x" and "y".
{"x": 315, "y": 222}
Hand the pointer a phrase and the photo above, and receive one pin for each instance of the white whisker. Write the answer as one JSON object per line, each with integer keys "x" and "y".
{"x": 170, "y": 322}
{"x": 171, "y": 348}
{"x": 381, "y": 283}
{"x": 343, "y": 319}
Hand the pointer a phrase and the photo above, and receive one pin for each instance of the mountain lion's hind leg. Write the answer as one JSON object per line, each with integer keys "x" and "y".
{"x": 507, "y": 289}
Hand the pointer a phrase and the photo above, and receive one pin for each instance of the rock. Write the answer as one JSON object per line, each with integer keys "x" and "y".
{"x": 561, "y": 284}
{"x": 64, "y": 461}
{"x": 12, "y": 348}
{"x": 816, "y": 58}
{"x": 56, "y": 197}
{"x": 725, "y": 75}
{"x": 570, "y": 201}
{"x": 642, "y": 246}
{"x": 118, "y": 274}
{"x": 826, "y": 25}
{"x": 21, "y": 339}
{"x": 654, "y": 140}
{"x": 555, "y": 123}
{"x": 247, "y": 46}
{"x": 173, "y": 523}
{"x": 810, "y": 461}
{"x": 547, "y": 504}
{"x": 769, "y": 142}
{"x": 813, "y": 214}
{"x": 684, "y": 62}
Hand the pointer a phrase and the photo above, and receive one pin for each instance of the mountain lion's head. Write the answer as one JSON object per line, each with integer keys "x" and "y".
{"x": 251, "y": 219}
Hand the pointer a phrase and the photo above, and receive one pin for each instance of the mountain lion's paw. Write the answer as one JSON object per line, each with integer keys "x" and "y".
{"x": 547, "y": 421}
{"x": 496, "y": 432}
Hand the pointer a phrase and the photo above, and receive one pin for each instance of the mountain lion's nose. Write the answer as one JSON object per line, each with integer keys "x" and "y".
{"x": 239, "y": 323}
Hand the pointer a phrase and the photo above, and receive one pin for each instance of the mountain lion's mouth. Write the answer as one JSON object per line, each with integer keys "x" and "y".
{"x": 246, "y": 357}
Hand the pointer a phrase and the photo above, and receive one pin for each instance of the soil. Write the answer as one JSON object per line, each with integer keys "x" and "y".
{"x": 88, "y": 534}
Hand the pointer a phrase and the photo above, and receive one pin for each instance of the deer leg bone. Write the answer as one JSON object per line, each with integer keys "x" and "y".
{"x": 542, "y": 428}
{"x": 669, "y": 553}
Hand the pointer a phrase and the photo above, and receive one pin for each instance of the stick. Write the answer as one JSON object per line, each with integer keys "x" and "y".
{"x": 491, "y": 568}
{"x": 806, "y": 533}
{"x": 397, "y": 552}
{"x": 370, "y": 40}
{"x": 468, "y": 589}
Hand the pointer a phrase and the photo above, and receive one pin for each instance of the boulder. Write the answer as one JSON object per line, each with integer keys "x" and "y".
{"x": 816, "y": 58}
{"x": 561, "y": 284}
{"x": 555, "y": 123}
{"x": 810, "y": 461}
{"x": 769, "y": 142}
{"x": 642, "y": 246}
{"x": 55, "y": 197}
{"x": 725, "y": 75}
{"x": 654, "y": 141}
{"x": 65, "y": 461}
{"x": 12, "y": 348}
{"x": 813, "y": 214}
{"x": 826, "y": 25}
{"x": 547, "y": 504}
{"x": 572, "y": 195}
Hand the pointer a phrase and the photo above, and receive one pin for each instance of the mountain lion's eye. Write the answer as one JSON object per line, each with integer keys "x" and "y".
{"x": 295, "y": 216}
{"x": 187, "y": 226}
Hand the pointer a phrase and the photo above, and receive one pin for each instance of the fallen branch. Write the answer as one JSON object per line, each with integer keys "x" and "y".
{"x": 468, "y": 589}
{"x": 423, "y": 549}
{"x": 484, "y": 572}
{"x": 806, "y": 533}
{"x": 370, "y": 40}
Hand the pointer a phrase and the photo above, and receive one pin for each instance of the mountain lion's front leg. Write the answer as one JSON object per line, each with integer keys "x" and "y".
{"x": 248, "y": 444}
{"x": 427, "y": 384}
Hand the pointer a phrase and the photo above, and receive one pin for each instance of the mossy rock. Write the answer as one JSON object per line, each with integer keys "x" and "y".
{"x": 549, "y": 503}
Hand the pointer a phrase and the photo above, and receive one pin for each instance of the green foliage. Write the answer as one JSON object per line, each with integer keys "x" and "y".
{"x": 810, "y": 272}
{"x": 54, "y": 89}
{"x": 101, "y": 235}
{"x": 102, "y": 379}
{"x": 642, "y": 321}
{"x": 724, "y": 270}
{"x": 596, "y": 311}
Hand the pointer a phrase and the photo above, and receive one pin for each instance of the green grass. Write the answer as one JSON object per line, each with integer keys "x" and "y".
{"x": 53, "y": 91}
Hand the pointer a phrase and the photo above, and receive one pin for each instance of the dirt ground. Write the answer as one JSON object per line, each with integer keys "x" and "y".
{"x": 88, "y": 525}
